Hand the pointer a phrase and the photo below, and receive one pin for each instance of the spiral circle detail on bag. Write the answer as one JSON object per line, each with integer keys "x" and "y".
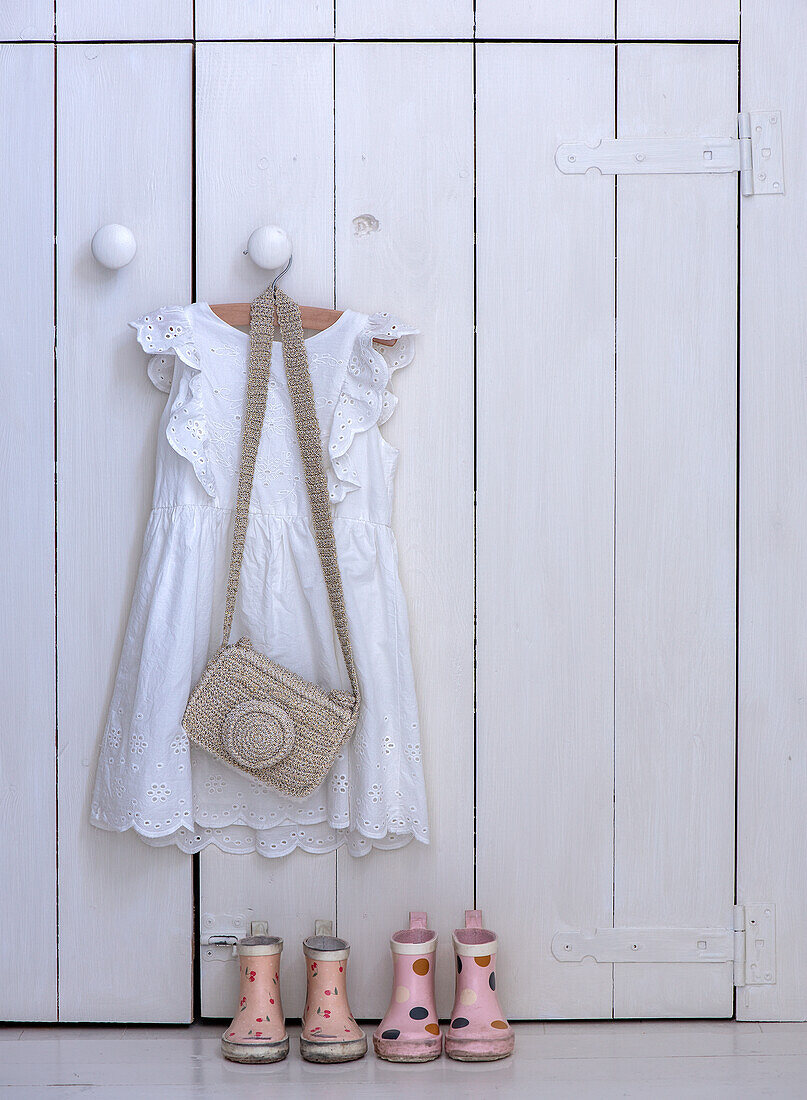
{"x": 258, "y": 733}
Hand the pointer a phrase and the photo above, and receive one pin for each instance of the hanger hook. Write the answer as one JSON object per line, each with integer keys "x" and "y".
{"x": 280, "y": 274}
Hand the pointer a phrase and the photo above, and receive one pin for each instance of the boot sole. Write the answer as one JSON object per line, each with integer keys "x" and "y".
{"x": 480, "y": 1050}
{"x": 395, "y": 1050}
{"x": 333, "y": 1052}
{"x": 255, "y": 1053}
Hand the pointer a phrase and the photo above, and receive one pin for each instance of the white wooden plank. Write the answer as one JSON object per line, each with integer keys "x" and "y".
{"x": 25, "y": 20}
{"x": 678, "y": 19}
{"x": 772, "y": 755}
{"x": 545, "y": 460}
{"x": 264, "y": 155}
{"x": 414, "y": 19}
{"x": 246, "y": 19}
{"x": 544, "y": 19}
{"x": 138, "y": 20}
{"x": 675, "y": 530}
{"x": 125, "y": 909}
{"x": 404, "y": 148}
{"x": 27, "y": 689}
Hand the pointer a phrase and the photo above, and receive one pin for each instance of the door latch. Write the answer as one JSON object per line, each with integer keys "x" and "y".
{"x": 222, "y": 946}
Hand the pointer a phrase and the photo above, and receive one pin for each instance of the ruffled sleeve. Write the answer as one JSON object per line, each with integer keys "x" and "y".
{"x": 166, "y": 336}
{"x": 366, "y": 400}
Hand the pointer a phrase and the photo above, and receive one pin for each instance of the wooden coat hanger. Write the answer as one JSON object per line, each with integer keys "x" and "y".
{"x": 313, "y": 318}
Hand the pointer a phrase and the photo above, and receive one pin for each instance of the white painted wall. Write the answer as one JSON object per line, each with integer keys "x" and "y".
{"x": 567, "y": 489}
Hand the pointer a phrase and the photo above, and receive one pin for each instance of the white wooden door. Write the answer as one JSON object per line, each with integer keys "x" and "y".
{"x": 600, "y": 507}
{"x": 605, "y": 524}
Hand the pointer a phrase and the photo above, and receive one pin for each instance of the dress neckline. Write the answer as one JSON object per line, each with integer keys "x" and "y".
{"x": 238, "y": 333}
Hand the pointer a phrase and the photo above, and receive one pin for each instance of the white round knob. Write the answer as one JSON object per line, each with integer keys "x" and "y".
{"x": 269, "y": 247}
{"x": 114, "y": 246}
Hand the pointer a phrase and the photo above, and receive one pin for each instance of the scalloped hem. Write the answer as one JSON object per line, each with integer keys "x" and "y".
{"x": 240, "y": 839}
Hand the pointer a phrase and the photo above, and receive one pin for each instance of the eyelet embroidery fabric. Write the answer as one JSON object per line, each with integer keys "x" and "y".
{"x": 365, "y": 400}
{"x": 149, "y": 778}
{"x": 168, "y": 331}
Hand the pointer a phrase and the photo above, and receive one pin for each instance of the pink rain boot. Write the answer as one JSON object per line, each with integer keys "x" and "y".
{"x": 330, "y": 1033}
{"x": 478, "y": 1031}
{"x": 258, "y": 1030}
{"x": 409, "y": 1032}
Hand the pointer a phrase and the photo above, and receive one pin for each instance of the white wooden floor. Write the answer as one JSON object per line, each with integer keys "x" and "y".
{"x": 558, "y": 1060}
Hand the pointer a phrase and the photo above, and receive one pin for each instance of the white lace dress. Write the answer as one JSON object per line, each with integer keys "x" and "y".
{"x": 149, "y": 778}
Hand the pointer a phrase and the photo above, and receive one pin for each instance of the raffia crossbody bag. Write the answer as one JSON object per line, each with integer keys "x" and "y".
{"x": 246, "y": 709}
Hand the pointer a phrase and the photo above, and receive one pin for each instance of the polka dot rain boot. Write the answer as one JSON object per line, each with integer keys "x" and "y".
{"x": 330, "y": 1033}
{"x": 258, "y": 1030}
{"x": 409, "y": 1032}
{"x": 478, "y": 1032}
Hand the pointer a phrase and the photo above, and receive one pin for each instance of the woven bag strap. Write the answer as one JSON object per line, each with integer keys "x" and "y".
{"x": 261, "y": 330}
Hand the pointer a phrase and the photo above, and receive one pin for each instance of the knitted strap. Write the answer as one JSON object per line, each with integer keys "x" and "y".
{"x": 310, "y": 442}
{"x": 261, "y": 330}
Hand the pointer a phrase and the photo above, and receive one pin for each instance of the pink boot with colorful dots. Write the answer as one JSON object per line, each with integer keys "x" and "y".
{"x": 258, "y": 1030}
{"x": 330, "y": 1033}
{"x": 409, "y": 1032}
{"x": 478, "y": 1031}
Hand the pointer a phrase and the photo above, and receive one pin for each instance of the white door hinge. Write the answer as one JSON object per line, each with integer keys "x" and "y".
{"x": 750, "y": 946}
{"x": 756, "y": 153}
{"x": 754, "y": 945}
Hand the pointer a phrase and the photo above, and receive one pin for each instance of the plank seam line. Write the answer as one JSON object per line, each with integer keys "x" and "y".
{"x": 196, "y": 859}
{"x": 373, "y": 41}
{"x": 737, "y": 492}
{"x": 334, "y": 299}
{"x": 614, "y": 543}
{"x": 475, "y": 456}
{"x": 56, "y": 520}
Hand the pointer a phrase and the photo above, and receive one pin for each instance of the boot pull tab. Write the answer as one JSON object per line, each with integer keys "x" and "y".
{"x": 473, "y": 918}
{"x": 323, "y": 928}
{"x": 418, "y": 920}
